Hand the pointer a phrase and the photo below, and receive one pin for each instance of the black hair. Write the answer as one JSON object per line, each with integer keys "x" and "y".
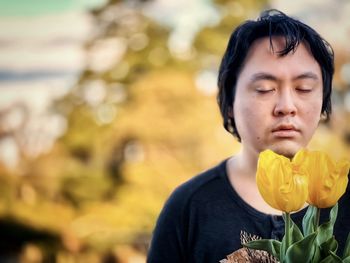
{"x": 269, "y": 24}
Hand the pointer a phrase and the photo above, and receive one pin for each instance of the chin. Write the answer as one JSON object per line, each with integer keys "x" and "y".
{"x": 287, "y": 149}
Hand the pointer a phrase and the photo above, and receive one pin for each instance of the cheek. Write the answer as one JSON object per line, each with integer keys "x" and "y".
{"x": 310, "y": 109}
{"x": 312, "y": 119}
{"x": 313, "y": 114}
{"x": 249, "y": 121}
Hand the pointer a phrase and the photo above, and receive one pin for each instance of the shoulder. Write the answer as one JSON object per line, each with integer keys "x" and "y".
{"x": 203, "y": 183}
{"x": 170, "y": 235}
{"x": 200, "y": 188}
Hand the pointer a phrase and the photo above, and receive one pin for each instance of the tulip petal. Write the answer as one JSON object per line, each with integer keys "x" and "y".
{"x": 282, "y": 184}
{"x": 327, "y": 179}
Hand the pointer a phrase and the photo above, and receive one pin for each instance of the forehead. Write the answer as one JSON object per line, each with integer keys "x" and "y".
{"x": 264, "y": 55}
{"x": 276, "y": 44}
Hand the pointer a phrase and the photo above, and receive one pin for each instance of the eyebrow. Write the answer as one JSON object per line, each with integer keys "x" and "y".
{"x": 268, "y": 76}
{"x": 263, "y": 76}
{"x": 306, "y": 75}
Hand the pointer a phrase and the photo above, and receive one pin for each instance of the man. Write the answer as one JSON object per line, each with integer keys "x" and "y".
{"x": 274, "y": 87}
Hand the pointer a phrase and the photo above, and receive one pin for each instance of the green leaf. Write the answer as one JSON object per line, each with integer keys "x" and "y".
{"x": 317, "y": 254}
{"x": 303, "y": 249}
{"x": 332, "y": 258}
{"x": 308, "y": 220}
{"x": 330, "y": 245}
{"x": 328, "y": 259}
{"x": 335, "y": 257}
{"x": 325, "y": 239}
{"x": 283, "y": 249}
{"x": 270, "y": 245}
{"x": 296, "y": 234}
{"x": 333, "y": 214}
{"x": 346, "y": 252}
{"x": 325, "y": 231}
{"x": 346, "y": 260}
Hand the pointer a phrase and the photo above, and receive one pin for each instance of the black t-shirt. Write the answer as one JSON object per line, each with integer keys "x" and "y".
{"x": 203, "y": 219}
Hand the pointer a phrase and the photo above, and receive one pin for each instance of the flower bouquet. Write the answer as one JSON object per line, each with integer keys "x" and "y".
{"x": 310, "y": 177}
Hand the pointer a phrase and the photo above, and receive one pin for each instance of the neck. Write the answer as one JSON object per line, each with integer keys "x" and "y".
{"x": 246, "y": 162}
{"x": 241, "y": 173}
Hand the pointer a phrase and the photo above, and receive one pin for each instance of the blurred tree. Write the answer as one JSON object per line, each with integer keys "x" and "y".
{"x": 141, "y": 122}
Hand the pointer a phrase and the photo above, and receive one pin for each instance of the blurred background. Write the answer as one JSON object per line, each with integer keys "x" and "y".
{"x": 107, "y": 105}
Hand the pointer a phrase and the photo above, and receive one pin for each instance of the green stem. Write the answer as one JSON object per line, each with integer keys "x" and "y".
{"x": 317, "y": 219}
{"x": 286, "y": 231}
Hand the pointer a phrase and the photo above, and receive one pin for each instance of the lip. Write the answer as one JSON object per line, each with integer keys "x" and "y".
{"x": 285, "y": 131}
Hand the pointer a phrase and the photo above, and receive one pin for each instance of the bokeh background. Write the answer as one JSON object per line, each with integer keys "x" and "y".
{"x": 107, "y": 106}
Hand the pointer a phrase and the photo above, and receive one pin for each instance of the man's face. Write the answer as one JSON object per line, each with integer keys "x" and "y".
{"x": 278, "y": 99}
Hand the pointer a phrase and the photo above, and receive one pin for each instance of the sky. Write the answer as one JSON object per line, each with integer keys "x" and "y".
{"x": 27, "y": 8}
{"x": 41, "y": 56}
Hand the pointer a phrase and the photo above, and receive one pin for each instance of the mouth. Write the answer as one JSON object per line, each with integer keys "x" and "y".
{"x": 285, "y": 131}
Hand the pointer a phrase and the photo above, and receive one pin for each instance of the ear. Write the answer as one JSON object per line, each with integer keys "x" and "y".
{"x": 323, "y": 117}
{"x": 230, "y": 112}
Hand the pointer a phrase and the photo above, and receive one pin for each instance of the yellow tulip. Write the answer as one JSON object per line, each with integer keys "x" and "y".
{"x": 281, "y": 183}
{"x": 327, "y": 179}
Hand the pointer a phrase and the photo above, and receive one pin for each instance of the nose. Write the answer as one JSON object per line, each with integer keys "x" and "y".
{"x": 285, "y": 104}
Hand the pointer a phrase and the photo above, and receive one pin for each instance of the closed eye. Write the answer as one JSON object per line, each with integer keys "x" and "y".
{"x": 301, "y": 90}
{"x": 261, "y": 91}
